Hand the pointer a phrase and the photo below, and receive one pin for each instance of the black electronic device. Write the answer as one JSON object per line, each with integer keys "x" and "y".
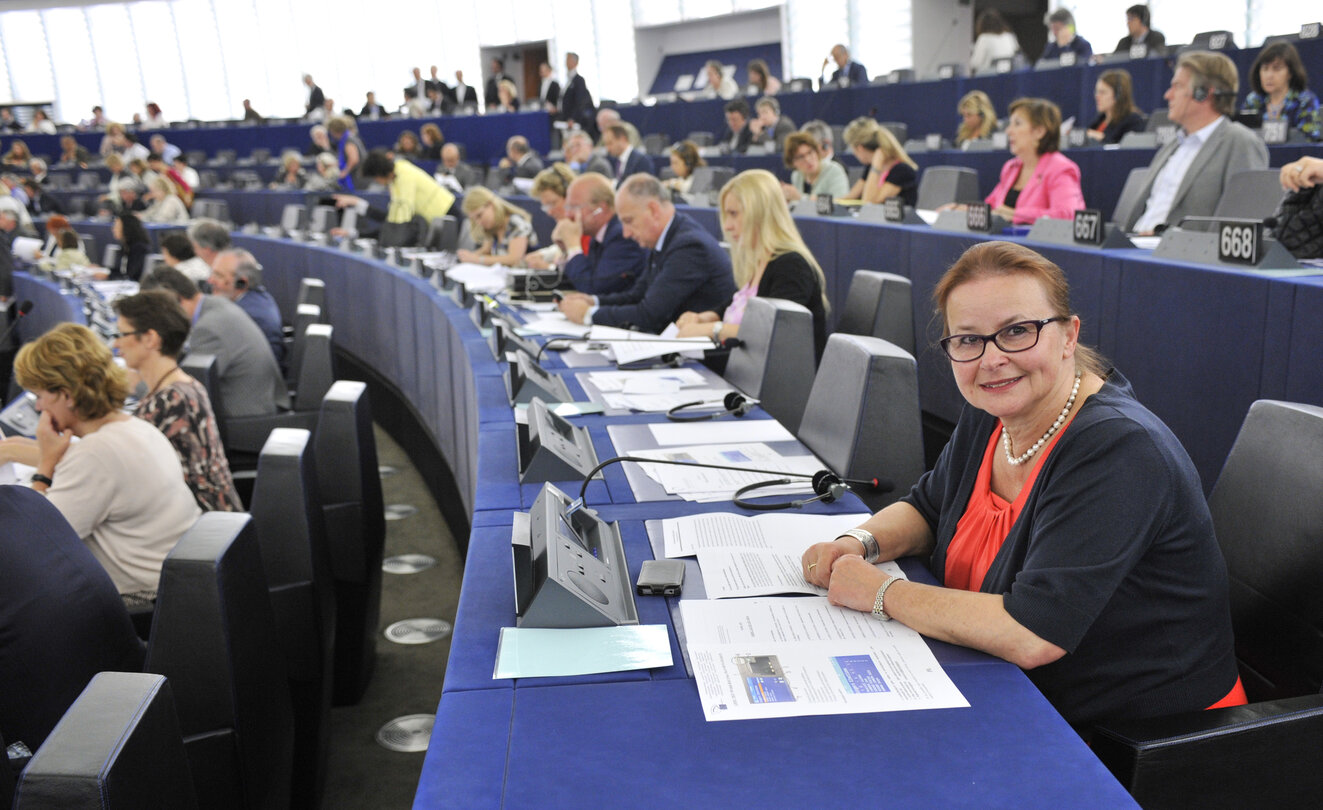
{"x": 503, "y": 338}
{"x": 525, "y": 379}
{"x": 660, "y": 578}
{"x": 569, "y": 567}
{"x": 20, "y": 417}
{"x": 891, "y": 211}
{"x": 550, "y": 448}
{"x": 1087, "y": 229}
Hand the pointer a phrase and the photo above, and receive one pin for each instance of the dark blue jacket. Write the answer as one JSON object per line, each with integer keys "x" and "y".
{"x": 637, "y": 162}
{"x": 609, "y": 266}
{"x": 691, "y": 273}
{"x": 853, "y": 71}
{"x": 261, "y": 307}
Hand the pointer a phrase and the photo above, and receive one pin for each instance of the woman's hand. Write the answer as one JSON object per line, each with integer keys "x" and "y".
{"x": 1094, "y": 135}
{"x": 952, "y": 207}
{"x": 346, "y": 200}
{"x": 1005, "y": 212}
{"x": 52, "y": 442}
{"x": 687, "y": 318}
{"x": 693, "y": 329}
{"x": 1303, "y": 173}
{"x": 470, "y": 256}
{"x": 854, "y": 583}
{"x": 534, "y": 261}
{"x": 819, "y": 558}
{"x": 790, "y": 192}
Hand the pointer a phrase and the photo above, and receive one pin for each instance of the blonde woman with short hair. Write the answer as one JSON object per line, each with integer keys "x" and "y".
{"x": 768, "y": 257}
{"x": 504, "y": 233}
{"x": 120, "y": 485}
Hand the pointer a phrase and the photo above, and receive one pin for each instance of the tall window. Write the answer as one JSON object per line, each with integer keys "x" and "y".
{"x": 29, "y": 61}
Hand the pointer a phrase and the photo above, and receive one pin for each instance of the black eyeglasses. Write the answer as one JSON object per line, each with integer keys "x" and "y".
{"x": 1017, "y": 337}
{"x": 118, "y": 335}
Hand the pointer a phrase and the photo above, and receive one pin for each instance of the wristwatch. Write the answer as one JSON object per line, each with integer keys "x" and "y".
{"x": 879, "y": 609}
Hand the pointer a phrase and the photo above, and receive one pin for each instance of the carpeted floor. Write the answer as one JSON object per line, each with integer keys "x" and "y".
{"x": 407, "y": 679}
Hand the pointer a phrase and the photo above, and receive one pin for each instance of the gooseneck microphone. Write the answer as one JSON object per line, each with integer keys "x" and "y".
{"x": 23, "y": 309}
{"x": 827, "y": 485}
{"x": 562, "y": 343}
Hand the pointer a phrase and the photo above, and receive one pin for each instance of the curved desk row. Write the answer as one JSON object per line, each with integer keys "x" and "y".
{"x": 596, "y": 739}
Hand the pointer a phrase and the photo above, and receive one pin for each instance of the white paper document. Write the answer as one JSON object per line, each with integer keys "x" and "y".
{"x": 530, "y": 652}
{"x": 661, "y": 402}
{"x": 761, "y": 658}
{"x": 686, "y": 536}
{"x": 705, "y": 485}
{"x": 638, "y": 382}
{"x": 554, "y": 323}
{"x": 723, "y": 432}
{"x": 479, "y": 278}
{"x": 630, "y": 347}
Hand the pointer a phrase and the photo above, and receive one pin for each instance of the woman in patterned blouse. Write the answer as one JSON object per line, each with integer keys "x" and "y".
{"x": 152, "y": 330}
{"x": 1281, "y": 90}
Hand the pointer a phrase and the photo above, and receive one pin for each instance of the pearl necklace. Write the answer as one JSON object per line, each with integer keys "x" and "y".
{"x": 1016, "y": 461}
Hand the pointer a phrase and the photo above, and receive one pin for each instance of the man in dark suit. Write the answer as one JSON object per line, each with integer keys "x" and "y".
{"x": 237, "y": 276}
{"x": 625, "y": 159}
{"x": 316, "y": 98}
{"x": 687, "y": 270}
{"x": 576, "y": 103}
{"x": 1189, "y": 175}
{"x": 371, "y": 109}
{"x": 1136, "y": 22}
{"x": 453, "y": 173}
{"x": 549, "y": 90}
{"x": 8, "y": 230}
{"x": 847, "y": 71}
{"x": 463, "y": 93}
{"x": 417, "y": 88}
{"x": 611, "y": 262}
{"x": 520, "y": 158}
{"x": 489, "y": 96}
{"x": 738, "y": 136}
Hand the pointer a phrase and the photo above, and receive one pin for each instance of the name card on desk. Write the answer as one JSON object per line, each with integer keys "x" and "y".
{"x": 1239, "y": 242}
{"x": 978, "y": 217}
{"x": 1089, "y": 227}
{"x": 1274, "y": 131}
{"x": 1067, "y": 59}
{"x": 1003, "y": 65}
{"x": 1309, "y": 30}
{"x": 1139, "y": 51}
{"x": 893, "y": 210}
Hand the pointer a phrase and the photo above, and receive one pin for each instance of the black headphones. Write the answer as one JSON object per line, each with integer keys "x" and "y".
{"x": 827, "y": 487}
{"x": 1202, "y": 93}
{"x": 734, "y": 403}
{"x": 241, "y": 284}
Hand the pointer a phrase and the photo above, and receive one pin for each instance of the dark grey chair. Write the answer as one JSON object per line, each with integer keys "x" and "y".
{"x": 314, "y": 376}
{"x": 656, "y": 143}
{"x": 443, "y": 234}
{"x": 118, "y": 746}
{"x": 305, "y": 315}
{"x": 701, "y": 138}
{"x": 294, "y": 217}
{"x": 291, "y": 530}
{"x": 215, "y": 638}
{"x": 776, "y": 358}
{"x": 862, "y": 417}
{"x": 350, "y": 484}
{"x": 202, "y": 367}
{"x": 1251, "y": 194}
{"x": 313, "y": 291}
{"x": 323, "y": 218}
{"x": 1130, "y": 201}
{"x": 708, "y": 179}
{"x": 1268, "y": 517}
{"x": 947, "y": 184}
{"x": 880, "y": 305}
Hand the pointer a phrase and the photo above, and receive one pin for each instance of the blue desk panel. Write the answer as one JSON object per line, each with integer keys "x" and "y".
{"x": 613, "y": 744}
{"x": 50, "y": 306}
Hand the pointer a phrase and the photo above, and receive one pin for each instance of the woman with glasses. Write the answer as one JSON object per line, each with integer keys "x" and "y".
{"x": 1066, "y": 525}
{"x": 812, "y": 174}
{"x": 152, "y": 331}
{"x": 549, "y": 188}
{"x": 119, "y": 485}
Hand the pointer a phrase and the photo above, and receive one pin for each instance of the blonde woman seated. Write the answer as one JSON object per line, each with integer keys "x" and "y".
{"x": 120, "y": 485}
{"x": 325, "y": 175}
{"x": 291, "y": 174}
{"x": 550, "y": 187}
{"x": 1038, "y": 181}
{"x": 165, "y": 205}
{"x": 508, "y": 97}
{"x": 504, "y": 231}
{"x": 813, "y": 173}
{"x": 978, "y": 118}
{"x": 684, "y": 159}
{"x": 768, "y": 256}
{"x": 890, "y": 173}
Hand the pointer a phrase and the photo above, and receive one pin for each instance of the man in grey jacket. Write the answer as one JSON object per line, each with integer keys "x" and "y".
{"x": 1188, "y": 175}
{"x": 250, "y": 379}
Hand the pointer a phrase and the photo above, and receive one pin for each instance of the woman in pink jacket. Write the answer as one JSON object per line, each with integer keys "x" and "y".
{"x": 1038, "y": 181}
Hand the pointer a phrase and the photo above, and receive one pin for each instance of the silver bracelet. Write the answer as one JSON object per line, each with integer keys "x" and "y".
{"x": 879, "y": 610}
{"x": 869, "y": 542}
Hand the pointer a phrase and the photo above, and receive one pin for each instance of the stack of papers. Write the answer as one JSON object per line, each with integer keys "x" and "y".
{"x": 478, "y": 278}
{"x": 626, "y": 346}
{"x": 703, "y": 485}
{"x": 760, "y": 658}
{"x": 653, "y": 390}
{"x": 555, "y": 323}
{"x": 754, "y": 556}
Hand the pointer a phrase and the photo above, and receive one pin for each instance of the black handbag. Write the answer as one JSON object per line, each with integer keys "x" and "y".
{"x": 1300, "y": 223}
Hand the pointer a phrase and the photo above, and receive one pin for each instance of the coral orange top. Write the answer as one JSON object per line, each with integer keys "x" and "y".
{"x": 986, "y": 523}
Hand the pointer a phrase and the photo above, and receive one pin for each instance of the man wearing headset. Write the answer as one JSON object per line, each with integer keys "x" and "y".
{"x": 1188, "y": 175}
{"x": 606, "y": 262}
{"x": 236, "y": 275}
